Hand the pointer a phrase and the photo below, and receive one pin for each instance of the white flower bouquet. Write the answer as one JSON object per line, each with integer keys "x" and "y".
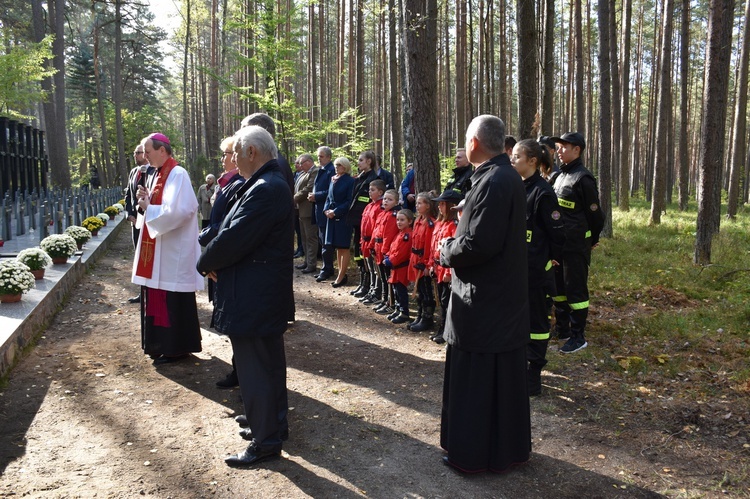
{"x": 103, "y": 216}
{"x": 120, "y": 208}
{"x": 34, "y": 258}
{"x": 15, "y": 278}
{"x": 59, "y": 245}
{"x": 80, "y": 234}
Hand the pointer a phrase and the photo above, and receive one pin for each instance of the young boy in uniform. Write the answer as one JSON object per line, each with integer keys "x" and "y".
{"x": 367, "y": 244}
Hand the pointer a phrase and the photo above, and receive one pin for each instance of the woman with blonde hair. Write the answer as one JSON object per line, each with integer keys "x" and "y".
{"x": 338, "y": 231}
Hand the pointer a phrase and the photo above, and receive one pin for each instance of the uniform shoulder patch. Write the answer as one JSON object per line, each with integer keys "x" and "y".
{"x": 406, "y": 237}
{"x": 594, "y": 207}
{"x": 430, "y": 222}
{"x": 455, "y": 222}
{"x": 555, "y": 215}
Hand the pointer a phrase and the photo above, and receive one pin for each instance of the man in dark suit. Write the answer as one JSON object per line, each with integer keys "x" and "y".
{"x": 318, "y": 196}
{"x": 251, "y": 262}
{"x": 131, "y": 202}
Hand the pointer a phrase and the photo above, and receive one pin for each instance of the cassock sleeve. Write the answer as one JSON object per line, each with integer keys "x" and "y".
{"x": 178, "y": 206}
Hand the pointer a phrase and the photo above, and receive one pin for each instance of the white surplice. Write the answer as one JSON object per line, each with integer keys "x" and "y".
{"x": 174, "y": 226}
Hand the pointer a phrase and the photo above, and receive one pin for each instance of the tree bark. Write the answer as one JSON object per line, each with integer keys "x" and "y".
{"x": 740, "y": 122}
{"x": 393, "y": 81}
{"x": 624, "y": 185}
{"x": 715, "y": 90}
{"x": 548, "y": 65}
{"x": 122, "y": 169}
{"x": 605, "y": 118}
{"x": 528, "y": 47}
{"x": 420, "y": 17}
{"x": 580, "y": 102}
{"x": 662, "y": 136}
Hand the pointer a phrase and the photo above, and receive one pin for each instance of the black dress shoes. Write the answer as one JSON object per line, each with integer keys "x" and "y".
{"x": 246, "y": 433}
{"x": 252, "y": 455}
{"x": 323, "y": 276}
{"x": 135, "y": 299}
{"x": 308, "y": 271}
{"x": 300, "y": 266}
{"x": 230, "y": 381}
{"x": 340, "y": 283}
{"x": 299, "y": 253}
{"x": 242, "y": 421}
{"x": 169, "y": 360}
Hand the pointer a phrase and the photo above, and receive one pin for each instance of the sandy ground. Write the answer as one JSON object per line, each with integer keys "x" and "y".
{"x": 85, "y": 414}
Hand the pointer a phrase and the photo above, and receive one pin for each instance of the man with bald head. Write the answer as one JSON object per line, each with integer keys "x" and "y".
{"x": 486, "y": 424}
{"x": 165, "y": 258}
{"x": 250, "y": 260}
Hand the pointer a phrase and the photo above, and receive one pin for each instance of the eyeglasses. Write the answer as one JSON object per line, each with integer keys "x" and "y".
{"x": 228, "y": 153}
{"x": 138, "y": 153}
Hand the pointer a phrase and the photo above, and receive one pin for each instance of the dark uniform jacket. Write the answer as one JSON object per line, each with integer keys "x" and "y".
{"x": 322, "y": 183}
{"x": 461, "y": 180}
{"x": 220, "y": 209}
{"x": 488, "y": 309}
{"x": 545, "y": 232}
{"x": 131, "y": 202}
{"x": 360, "y": 198}
{"x": 252, "y": 255}
{"x": 578, "y": 198}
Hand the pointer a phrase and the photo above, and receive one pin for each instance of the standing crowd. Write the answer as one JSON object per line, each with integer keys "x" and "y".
{"x": 508, "y": 238}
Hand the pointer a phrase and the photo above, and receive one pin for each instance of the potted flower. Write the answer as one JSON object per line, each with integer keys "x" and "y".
{"x": 111, "y": 211}
{"x": 15, "y": 279}
{"x": 93, "y": 224}
{"x": 36, "y": 260}
{"x": 104, "y": 218}
{"x": 80, "y": 234}
{"x": 121, "y": 203}
{"x": 59, "y": 246}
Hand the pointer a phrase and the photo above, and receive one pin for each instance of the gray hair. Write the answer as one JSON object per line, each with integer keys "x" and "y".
{"x": 262, "y": 120}
{"x": 257, "y": 137}
{"x": 345, "y": 163}
{"x": 325, "y": 150}
{"x": 210, "y": 176}
{"x": 489, "y": 131}
{"x": 305, "y": 157}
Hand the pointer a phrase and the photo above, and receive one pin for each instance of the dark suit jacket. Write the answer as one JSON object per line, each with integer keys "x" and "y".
{"x": 252, "y": 256}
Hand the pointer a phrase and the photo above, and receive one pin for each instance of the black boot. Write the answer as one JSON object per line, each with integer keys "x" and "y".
{"x": 417, "y": 319}
{"x": 364, "y": 285}
{"x": 427, "y": 321}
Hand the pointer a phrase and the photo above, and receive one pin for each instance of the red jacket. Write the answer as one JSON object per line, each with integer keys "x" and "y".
{"x": 369, "y": 216}
{"x": 384, "y": 232}
{"x": 442, "y": 230}
{"x": 421, "y": 239}
{"x": 398, "y": 253}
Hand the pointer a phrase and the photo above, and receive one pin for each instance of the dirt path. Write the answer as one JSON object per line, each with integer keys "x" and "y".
{"x": 86, "y": 414}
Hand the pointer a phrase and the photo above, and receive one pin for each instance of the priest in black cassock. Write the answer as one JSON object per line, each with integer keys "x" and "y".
{"x": 486, "y": 423}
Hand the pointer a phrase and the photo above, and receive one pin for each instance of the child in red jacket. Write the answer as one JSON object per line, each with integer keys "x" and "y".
{"x": 383, "y": 234}
{"x": 444, "y": 228}
{"x": 421, "y": 239}
{"x": 367, "y": 244}
{"x": 397, "y": 259}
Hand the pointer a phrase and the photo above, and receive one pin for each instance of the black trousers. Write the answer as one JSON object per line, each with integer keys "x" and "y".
{"x": 401, "y": 296}
{"x": 425, "y": 295}
{"x": 572, "y": 300}
{"x": 261, "y": 370}
{"x": 327, "y": 252}
{"x": 136, "y": 234}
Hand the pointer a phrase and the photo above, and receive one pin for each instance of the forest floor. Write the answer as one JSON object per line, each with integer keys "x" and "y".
{"x": 85, "y": 414}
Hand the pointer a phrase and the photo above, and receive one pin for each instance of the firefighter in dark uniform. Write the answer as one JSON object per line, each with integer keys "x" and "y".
{"x": 545, "y": 236}
{"x": 578, "y": 197}
{"x": 460, "y": 182}
{"x": 360, "y": 200}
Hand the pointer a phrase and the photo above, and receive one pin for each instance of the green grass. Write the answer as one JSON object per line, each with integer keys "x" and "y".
{"x": 664, "y": 304}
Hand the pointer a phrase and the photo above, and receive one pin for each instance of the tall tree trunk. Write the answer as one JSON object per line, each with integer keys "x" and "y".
{"x": 616, "y": 109}
{"x": 122, "y": 169}
{"x": 406, "y": 112}
{"x": 395, "y": 89}
{"x": 636, "y": 161}
{"x": 715, "y": 90}
{"x": 528, "y": 47}
{"x": 106, "y": 166}
{"x": 605, "y": 118}
{"x": 212, "y": 118}
{"x": 420, "y": 17}
{"x": 580, "y": 102}
{"x": 461, "y": 72}
{"x": 740, "y": 122}
{"x": 624, "y": 185}
{"x": 662, "y": 136}
{"x": 185, "y": 109}
{"x": 548, "y": 69}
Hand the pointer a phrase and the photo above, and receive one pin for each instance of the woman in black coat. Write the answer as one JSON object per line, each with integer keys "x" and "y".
{"x": 251, "y": 261}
